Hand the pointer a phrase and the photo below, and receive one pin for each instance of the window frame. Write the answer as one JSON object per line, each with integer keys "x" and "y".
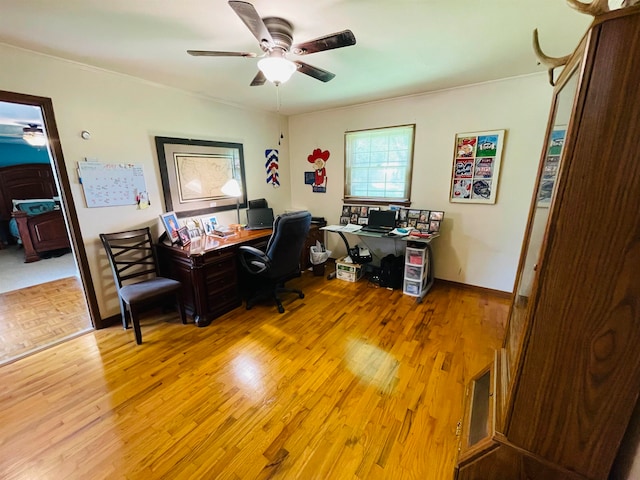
{"x": 371, "y": 200}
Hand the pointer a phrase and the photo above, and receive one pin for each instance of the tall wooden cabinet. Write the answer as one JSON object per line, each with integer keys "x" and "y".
{"x": 557, "y": 400}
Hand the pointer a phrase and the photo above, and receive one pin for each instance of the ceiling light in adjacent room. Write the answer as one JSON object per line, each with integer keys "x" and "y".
{"x": 34, "y": 135}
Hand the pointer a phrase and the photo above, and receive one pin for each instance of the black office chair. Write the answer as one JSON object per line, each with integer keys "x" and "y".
{"x": 280, "y": 261}
{"x": 132, "y": 257}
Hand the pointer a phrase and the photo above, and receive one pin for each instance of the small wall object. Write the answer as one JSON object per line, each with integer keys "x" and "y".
{"x": 318, "y": 178}
{"x": 272, "y": 167}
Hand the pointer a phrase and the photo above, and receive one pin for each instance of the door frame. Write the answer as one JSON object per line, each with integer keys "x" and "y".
{"x": 68, "y": 206}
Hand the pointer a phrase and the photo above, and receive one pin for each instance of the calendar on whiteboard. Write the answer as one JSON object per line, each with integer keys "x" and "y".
{"x": 111, "y": 184}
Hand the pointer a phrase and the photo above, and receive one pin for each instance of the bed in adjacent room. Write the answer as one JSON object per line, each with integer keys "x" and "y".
{"x": 30, "y": 210}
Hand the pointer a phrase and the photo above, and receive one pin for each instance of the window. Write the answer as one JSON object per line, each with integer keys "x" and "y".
{"x": 378, "y": 164}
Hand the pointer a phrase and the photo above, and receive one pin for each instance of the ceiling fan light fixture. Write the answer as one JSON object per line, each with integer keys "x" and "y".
{"x": 34, "y": 136}
{"x": 277, "y": 69}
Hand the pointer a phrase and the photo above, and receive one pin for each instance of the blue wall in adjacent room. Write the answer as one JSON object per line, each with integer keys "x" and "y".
{"x": 19, "y": 153}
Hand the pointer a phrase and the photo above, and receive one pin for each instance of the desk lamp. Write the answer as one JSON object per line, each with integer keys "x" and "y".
{"x": 232, "y": 189}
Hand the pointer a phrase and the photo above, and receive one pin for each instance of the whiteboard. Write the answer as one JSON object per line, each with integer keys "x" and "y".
{"x": 111, "y": 184}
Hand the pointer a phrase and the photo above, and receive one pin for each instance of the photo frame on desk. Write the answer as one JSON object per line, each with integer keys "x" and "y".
{"x": 183, "y": 235}
{"x": 171, "y": 226}
{"x": 193, "y": 173}
{"x": 209, "y": 224}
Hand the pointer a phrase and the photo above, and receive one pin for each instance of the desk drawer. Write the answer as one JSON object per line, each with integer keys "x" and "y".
{"x": 224, "y": 267}
{"x": 223, "y": 303}
{"x": 217, "y": 284}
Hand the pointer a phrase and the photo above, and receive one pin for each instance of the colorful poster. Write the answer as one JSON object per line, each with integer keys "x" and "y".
{"x": 476, "y": 166}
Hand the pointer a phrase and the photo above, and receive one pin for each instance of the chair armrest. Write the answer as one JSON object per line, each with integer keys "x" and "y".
{"x": 254, "y": 260}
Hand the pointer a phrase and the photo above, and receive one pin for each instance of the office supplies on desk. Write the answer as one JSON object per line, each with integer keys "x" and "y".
{"x": 350, "y": 227}
{"x": 380, "y": 221}
{"x": 223, "y": 231}
{"x": 259, "y": 218}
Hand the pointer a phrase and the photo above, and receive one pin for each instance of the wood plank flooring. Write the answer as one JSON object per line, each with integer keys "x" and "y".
{"x": 351, "y": 382}
{"x": 35, "y": 317}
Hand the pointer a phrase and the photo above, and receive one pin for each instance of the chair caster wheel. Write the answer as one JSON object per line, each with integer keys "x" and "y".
{"x": 301, "y": 295}
{"x": 280, "y": 309}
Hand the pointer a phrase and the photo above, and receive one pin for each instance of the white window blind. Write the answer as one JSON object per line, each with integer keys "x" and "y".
{"x": 378, "y": 164}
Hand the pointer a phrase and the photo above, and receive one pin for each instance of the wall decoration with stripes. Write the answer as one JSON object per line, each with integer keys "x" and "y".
{"x": 271, "y": 166}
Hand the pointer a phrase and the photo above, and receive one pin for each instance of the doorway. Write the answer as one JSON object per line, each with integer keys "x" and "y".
{"x": 69, "y": 304}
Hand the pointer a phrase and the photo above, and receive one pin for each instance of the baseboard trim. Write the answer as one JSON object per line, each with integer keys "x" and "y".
{"x": 110, "y": 321}
{"x": 498, "y": 293}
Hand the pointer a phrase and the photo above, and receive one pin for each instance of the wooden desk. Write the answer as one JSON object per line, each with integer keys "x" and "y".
{"x": 208, "y": 270}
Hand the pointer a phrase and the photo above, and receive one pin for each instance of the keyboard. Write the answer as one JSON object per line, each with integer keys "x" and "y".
{"x": 377, "y": 229}
{"x": 258, "y": 227}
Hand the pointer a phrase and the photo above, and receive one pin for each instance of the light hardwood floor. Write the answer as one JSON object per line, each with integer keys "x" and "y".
{"x": 36, "y": 317}
{"x": 352, "y": 382}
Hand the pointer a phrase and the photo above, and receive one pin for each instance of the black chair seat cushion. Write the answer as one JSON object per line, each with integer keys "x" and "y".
{"x": 141, "y": 291}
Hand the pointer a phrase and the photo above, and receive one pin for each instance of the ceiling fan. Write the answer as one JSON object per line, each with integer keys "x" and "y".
{"x": 275, "y": 37}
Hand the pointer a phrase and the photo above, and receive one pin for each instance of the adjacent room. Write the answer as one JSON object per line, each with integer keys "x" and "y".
{"x": 39, "y": 278}
{"x": 321, "y": 240}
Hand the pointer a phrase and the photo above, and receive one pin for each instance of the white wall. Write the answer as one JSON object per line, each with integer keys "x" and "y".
{"x": 123, "y": 115}
{"x": 480, "y": 244}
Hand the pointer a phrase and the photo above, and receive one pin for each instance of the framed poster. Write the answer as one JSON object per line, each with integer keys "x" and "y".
{"x": 193, "y": 173}
{"x": 476, "y": 167}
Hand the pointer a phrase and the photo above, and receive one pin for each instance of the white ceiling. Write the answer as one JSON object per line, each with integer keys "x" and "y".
{"x": 403, "y": 46}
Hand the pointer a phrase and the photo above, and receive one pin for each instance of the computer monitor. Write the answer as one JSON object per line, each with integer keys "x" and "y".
{"x": 258, "y": 203}
{"x": 258, "y": 218}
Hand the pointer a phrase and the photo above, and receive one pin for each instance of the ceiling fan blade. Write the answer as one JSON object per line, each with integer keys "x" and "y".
{"x": 259, "y": 79}
{"x": 210, "y": 53}
{"x": 345, "y": 38}
{"x": 252, "y": 20}
{"x": 315, "y": 72}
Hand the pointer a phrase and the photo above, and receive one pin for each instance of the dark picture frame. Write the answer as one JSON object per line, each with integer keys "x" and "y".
{"x": 194, "y": 171}
{"x": 183, "y": 234}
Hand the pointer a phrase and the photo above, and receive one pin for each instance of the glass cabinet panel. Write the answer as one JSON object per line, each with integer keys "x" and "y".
{"x": 546, "y": 187}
